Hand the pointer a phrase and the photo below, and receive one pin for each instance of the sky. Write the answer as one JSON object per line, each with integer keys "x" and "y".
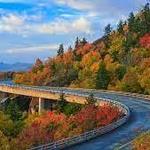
{"x": 31, "y": 29}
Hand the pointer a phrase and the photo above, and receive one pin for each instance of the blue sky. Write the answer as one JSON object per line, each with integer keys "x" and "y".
{"x": 34, "y": 28}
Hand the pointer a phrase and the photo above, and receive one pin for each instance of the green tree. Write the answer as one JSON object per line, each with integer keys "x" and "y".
{"x": 120, "y": 72}
{"x": 130, "y": 42}
{"x": 90, "y": 99}
{"x": 13, "y": 111}
{"x": 146, "y": 18}
{"x": 6, "y": 124}
{"x": 60, "y": 51}
{"x": 77, "y": 43}
{"x": 61, "y": 103}
{"x": 131, "y": 21}
{"x": 83, "y": 41}
{"x": 120, "y": 27}
{"x": 107, "y": 30}
{"x": 103, "y": 77}
{"x": 71, "y": 108}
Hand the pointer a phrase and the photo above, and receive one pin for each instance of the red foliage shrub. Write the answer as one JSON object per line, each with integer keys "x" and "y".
{"x": 145, "y": 40}
{"x": 32, "y": 136}
{"x": 52, "y": 126}
{"x": 107, "y": 114}
{"x": 86, "y": 118}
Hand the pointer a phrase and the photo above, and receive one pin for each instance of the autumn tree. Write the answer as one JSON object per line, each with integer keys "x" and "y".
{"x": 38, "y": 66}
{"x": 6, "y": 124}
{"x": 4, "y": 142}
{"x": 88, "y": 69}
{"x": 145, "y": 41}
{"x": 145, "y": 80}
{"x": 130, "y": 82}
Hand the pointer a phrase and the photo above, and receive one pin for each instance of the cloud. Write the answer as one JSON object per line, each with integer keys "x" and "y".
{"x": 99, "y": 7}
{"x": 24, "y": 26}
{"x": 40, "y": 48}
{"x": 61, "y": 26}
{"x": 11, "y": 23}
{"x": 82, "y": 25}
{"x": 77, "y": 4}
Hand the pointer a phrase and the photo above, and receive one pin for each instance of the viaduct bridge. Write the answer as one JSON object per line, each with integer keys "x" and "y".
{"x": 41, "y": 93}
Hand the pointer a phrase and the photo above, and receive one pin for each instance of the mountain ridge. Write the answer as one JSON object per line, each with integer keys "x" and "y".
{"x": 5, "y": 67}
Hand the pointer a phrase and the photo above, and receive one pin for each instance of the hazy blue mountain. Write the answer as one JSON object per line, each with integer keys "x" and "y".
{"x": 15, "y": 67}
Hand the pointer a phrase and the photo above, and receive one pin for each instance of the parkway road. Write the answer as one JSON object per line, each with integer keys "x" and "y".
{"x": 139, "y": 121}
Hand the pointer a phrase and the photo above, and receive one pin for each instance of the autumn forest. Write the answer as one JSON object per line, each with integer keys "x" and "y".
{"x": 119, "y": 60}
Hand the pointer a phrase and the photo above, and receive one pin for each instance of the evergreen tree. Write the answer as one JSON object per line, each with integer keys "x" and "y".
{"x": 13, "y": 111}
{"x": 70, "y": 48}
{"x": 107, "y": 30}
{"x": 138, "y": 26}
{"x": 84, "y": 41}
{"x": 61, "y": 103}
{"x": 131, "y": 22}
{"x": 120, "y": 27}
{"x": 90, "y": 99}
{"x": 129, "y": 42}
{"x": 77, "y": 43}
{"x": 146, "y": 19}
{"x": 120, "y": 72}
{"x": 60, "y": 51}
{"x": 103, "y": 77}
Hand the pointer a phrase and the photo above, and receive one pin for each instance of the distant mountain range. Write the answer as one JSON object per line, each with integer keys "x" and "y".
{"x": 4, "y": 67}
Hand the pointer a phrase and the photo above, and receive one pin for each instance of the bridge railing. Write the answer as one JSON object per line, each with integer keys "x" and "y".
{"x": 68, "y": 90}
{"x": 90, "y": 134}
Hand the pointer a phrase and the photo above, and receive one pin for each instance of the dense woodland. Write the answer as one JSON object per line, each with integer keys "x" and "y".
{"x": 119, "y": 60}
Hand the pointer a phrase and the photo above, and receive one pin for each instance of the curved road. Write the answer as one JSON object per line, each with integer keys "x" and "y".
{"x": 139, "y": 121}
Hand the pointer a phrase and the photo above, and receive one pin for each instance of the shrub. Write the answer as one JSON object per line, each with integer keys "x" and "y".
{"x": 142, "y": 142}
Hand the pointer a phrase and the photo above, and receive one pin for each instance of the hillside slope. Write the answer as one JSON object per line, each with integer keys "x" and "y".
{"x": 119, "y": 60}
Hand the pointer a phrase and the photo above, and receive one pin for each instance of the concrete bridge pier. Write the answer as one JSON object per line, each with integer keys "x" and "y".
{"x": 41, "y": 105}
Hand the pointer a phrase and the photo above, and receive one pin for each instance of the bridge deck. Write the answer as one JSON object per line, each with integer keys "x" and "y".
{"x": 41, "y": 92}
